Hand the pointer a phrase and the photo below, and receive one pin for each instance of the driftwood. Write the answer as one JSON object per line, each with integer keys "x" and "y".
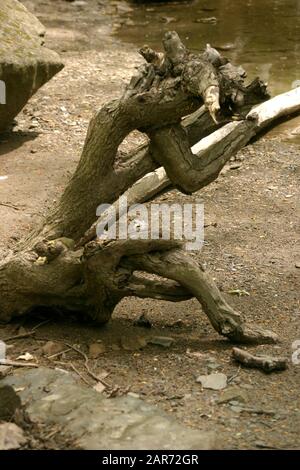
{"x": 263, "y": 362}
{"x": 176, "y": 98}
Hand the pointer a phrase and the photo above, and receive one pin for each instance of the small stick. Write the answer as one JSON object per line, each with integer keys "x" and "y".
{"x": 7, "y": 204}
{"x": 232, "y": 377}
{"x": 86, "y": 364}
{"x": 59, "y": 353}
{"x": 22, "y": 335}
{"x": 29, "y": 333}
{"x": 80, "y": 375}
{"x": 86, "y": 361}
{"x": 266, "y": 363}
{"x": 44, "y": 322}
{"x": 7, "y": 362}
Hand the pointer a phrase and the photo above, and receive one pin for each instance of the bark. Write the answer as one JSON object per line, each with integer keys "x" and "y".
{"x": 61, "y": 264}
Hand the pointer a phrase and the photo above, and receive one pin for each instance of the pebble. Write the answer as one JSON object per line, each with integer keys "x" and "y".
{"x": 52, "y": 347}
{"x": 133, "y": 343}
{"x": 234, "y": 395}
{"x": 11, "y": 436}
{"x": 217, "y": 381}
{"x": 163, "y": 341}
{"x": 5, "y": 370}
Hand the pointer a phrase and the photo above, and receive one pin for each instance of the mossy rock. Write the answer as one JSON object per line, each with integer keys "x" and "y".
{"x": 25, "y": 65}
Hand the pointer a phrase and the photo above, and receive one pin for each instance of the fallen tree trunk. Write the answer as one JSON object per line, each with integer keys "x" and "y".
{"x": 63, "y": 265}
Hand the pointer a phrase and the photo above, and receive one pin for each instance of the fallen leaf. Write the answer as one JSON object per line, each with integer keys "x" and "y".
{"x": 238, "y": 292}
{"x": 25, "y": 357}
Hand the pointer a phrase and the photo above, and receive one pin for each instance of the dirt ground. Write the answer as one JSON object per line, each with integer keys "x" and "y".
{"x": 251, "y": 244}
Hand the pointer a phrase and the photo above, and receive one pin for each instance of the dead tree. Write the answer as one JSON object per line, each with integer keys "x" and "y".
{"x": 63, "y": 265}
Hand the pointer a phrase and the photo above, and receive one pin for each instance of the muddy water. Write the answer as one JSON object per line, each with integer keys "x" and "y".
{"x": 262, "y": 35}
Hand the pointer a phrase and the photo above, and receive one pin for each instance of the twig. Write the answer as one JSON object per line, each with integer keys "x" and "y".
{"x": 80, "y": 375}
{"x": 7, "y": 362}
{"x": 259, "y": 411}
{"x": 266, "y": 363}
{"x": 7, "y": 204}
{"x": 86, "y": 361}
{"x": 59, "y": 353}
{"x": 29, "y": 333}
{"x": 44, "y": 322}
{"x": 232, "y": 377}
{"x": 86, "y": 364}
{"x": 22, "y": 335}
{"x": 51, "y": 434}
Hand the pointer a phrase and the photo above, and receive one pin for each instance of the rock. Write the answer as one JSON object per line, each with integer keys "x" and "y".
{"x": 9, "y": 402}
{"x": 79, "y": 3}
{"x": 11, "y": 436}
{"x": 133, "y": 394}
{"x": 133, "y": 343}
{"x": 216, "y": 381}
{"x": 52, "y": 347}
{"x": 236, "y": 408}
{"x": 210, "y": 20}
{"x": 22, "y": 331}
{"x": 247, "y": 386}
{"x": 99, "y": 387}
{"x": 163, "y": 341}
{"x": 53, "y": 397}
{"x": 25, "y": 65}
{"x": 5, "y": 370}
{"x": 233, "y": 394}
{"x": 226, "y": 47}
{"x": 168, "y": 19}
{"x": 212, "y": 365}
{"x": 96, "y": 349}
{"x": 297, "y": 265}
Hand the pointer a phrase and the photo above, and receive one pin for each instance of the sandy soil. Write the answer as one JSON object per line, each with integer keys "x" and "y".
{"x": 251, "y": 244}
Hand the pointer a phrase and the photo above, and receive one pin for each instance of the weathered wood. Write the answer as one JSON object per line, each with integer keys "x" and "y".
{"x": 47, "y": 270}
{"x": 207, "y": 157}
{"x": 263, "y": 362}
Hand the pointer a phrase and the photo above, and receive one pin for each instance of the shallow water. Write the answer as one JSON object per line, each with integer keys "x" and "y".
{"x": 261, "y": 35}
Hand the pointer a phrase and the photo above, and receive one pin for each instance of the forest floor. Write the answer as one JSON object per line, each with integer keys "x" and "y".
{"x": 251, "y": 246}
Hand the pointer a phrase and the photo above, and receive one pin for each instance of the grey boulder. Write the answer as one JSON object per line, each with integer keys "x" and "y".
{"x": 25, "y": 64}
